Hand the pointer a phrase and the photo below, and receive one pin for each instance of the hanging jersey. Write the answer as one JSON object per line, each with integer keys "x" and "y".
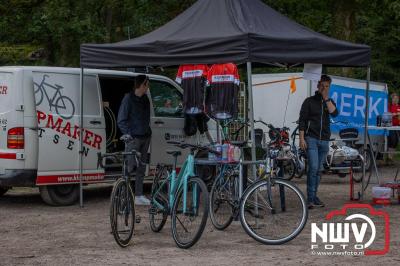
{"x": 222, "y": 93}
{"x": 192, "y": 78}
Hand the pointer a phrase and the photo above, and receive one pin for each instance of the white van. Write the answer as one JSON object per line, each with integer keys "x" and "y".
{"x": 39, "y": 126}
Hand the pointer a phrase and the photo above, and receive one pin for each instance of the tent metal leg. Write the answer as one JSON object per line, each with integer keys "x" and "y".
{"x": 366, "y": 129}
{"x": 251, "y": 117}
{"x": 80, "y": 141}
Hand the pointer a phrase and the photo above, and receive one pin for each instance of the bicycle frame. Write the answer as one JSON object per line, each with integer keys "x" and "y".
{"x": 176, "y": 182}
{"x": 225, "y": 181}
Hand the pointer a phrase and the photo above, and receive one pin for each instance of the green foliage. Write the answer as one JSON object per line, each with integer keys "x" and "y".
{"x": 17, "y": 54}
{"x": 372, "y": 22}
{"x": 59, "y": 27}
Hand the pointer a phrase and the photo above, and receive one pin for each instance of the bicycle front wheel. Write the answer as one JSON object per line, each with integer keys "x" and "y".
{"x": 273, "y": 213}
{"x": 189, "y": 217}
{"x": 158, "y": 211}
{"x": 289, "y": 169}
{"x": 301, "y": 166}
{"x": 222, "y": 201}
{"x": 122, "y": 212}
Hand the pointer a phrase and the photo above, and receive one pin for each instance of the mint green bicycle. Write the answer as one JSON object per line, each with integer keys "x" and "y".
{"x": 183, "y": 196}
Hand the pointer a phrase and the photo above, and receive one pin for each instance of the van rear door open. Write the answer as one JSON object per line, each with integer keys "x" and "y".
{"x": 58, "y": 110}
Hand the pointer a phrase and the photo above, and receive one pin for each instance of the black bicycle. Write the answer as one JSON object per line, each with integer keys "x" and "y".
{"x": 122, "y": 206}
{"x": 63, "y": 105}
{"x": 272, "y": 210}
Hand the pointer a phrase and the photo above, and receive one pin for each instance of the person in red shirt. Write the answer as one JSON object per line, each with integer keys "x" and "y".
{"x": 394, "y": 108}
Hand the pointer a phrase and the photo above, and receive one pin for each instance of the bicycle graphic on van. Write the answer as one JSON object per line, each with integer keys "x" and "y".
{"x": 63, "y": 105}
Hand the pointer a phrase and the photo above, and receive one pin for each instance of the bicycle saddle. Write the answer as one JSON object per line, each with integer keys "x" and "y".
{"x": 240, "y": 144}
{"x": 174, "y": 153}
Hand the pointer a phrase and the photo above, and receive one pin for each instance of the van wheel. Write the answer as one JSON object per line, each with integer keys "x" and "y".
{"x": 3, "y": 190}
{"x": 59, "y": 195}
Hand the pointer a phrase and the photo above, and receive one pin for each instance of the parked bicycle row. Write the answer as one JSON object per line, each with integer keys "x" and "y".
{"x": 186, "y": 199}
{"x": 261, "y": 201}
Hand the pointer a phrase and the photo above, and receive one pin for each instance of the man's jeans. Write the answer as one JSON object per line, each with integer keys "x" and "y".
{"x": 316, "y": 156}
{"x": 141, "y": 145}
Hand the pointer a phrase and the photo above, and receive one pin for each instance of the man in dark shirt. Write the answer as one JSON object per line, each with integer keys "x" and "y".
{"x": 314, "y": 126}
{"x": 134, "y": 123}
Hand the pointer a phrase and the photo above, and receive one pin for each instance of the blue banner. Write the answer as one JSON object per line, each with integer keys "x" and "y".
{"x": 350, "y": 103}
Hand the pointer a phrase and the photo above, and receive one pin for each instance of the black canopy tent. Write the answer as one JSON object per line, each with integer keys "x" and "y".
{"x": 213, "y": 31}
{"x": 219, "y": 31}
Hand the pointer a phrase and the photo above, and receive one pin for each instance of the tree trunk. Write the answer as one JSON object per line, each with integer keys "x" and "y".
{"x": 344, "y": 23}
{"x": 109, "y": 15}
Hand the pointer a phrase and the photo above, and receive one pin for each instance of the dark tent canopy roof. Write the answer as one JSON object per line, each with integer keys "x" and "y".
{"x": 217, "y": 31}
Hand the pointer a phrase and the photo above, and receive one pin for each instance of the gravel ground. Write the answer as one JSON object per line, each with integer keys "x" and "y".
{"x": 33, "y": 233}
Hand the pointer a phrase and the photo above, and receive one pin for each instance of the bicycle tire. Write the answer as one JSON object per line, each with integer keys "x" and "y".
{"x": 65, "y": 100}
{"x": 117, "y": 203}
{"x": 368, "y": 167}
{"x": 203, "y": 199}
{"x": 301, "y": 172}
{"x": 218, "y": 182}
{"x": 358, "y": 175}
{"x": 286, "y": 238}
{"x": 157, "y": 225}
{"x": 288, "y": 175}
{"x": 368, "y": 158}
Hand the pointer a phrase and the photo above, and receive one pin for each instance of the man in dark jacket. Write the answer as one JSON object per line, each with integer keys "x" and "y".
{"x": 314, "y": 126}
{"x": 134, "y": 123}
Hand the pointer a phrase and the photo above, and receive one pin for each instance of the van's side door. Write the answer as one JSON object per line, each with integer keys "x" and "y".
{"x": 57, "y": 102}
{"x": 167, "y": 120}
{"x": 57, "y": 106}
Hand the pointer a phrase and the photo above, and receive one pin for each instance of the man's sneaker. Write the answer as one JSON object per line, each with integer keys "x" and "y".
{"x": 310, "y": 205}
{"x": 318, "y": 203}
{"x": 142, "y": 200}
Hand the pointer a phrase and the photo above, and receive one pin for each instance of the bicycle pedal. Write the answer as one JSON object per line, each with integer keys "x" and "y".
{"x": 138, "y": 219}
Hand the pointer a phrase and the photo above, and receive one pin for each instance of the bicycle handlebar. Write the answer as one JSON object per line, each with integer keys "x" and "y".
{"x": 265, "y": 124}
{"x": 183, "y": 145}
{"x": 246, "y": 123}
